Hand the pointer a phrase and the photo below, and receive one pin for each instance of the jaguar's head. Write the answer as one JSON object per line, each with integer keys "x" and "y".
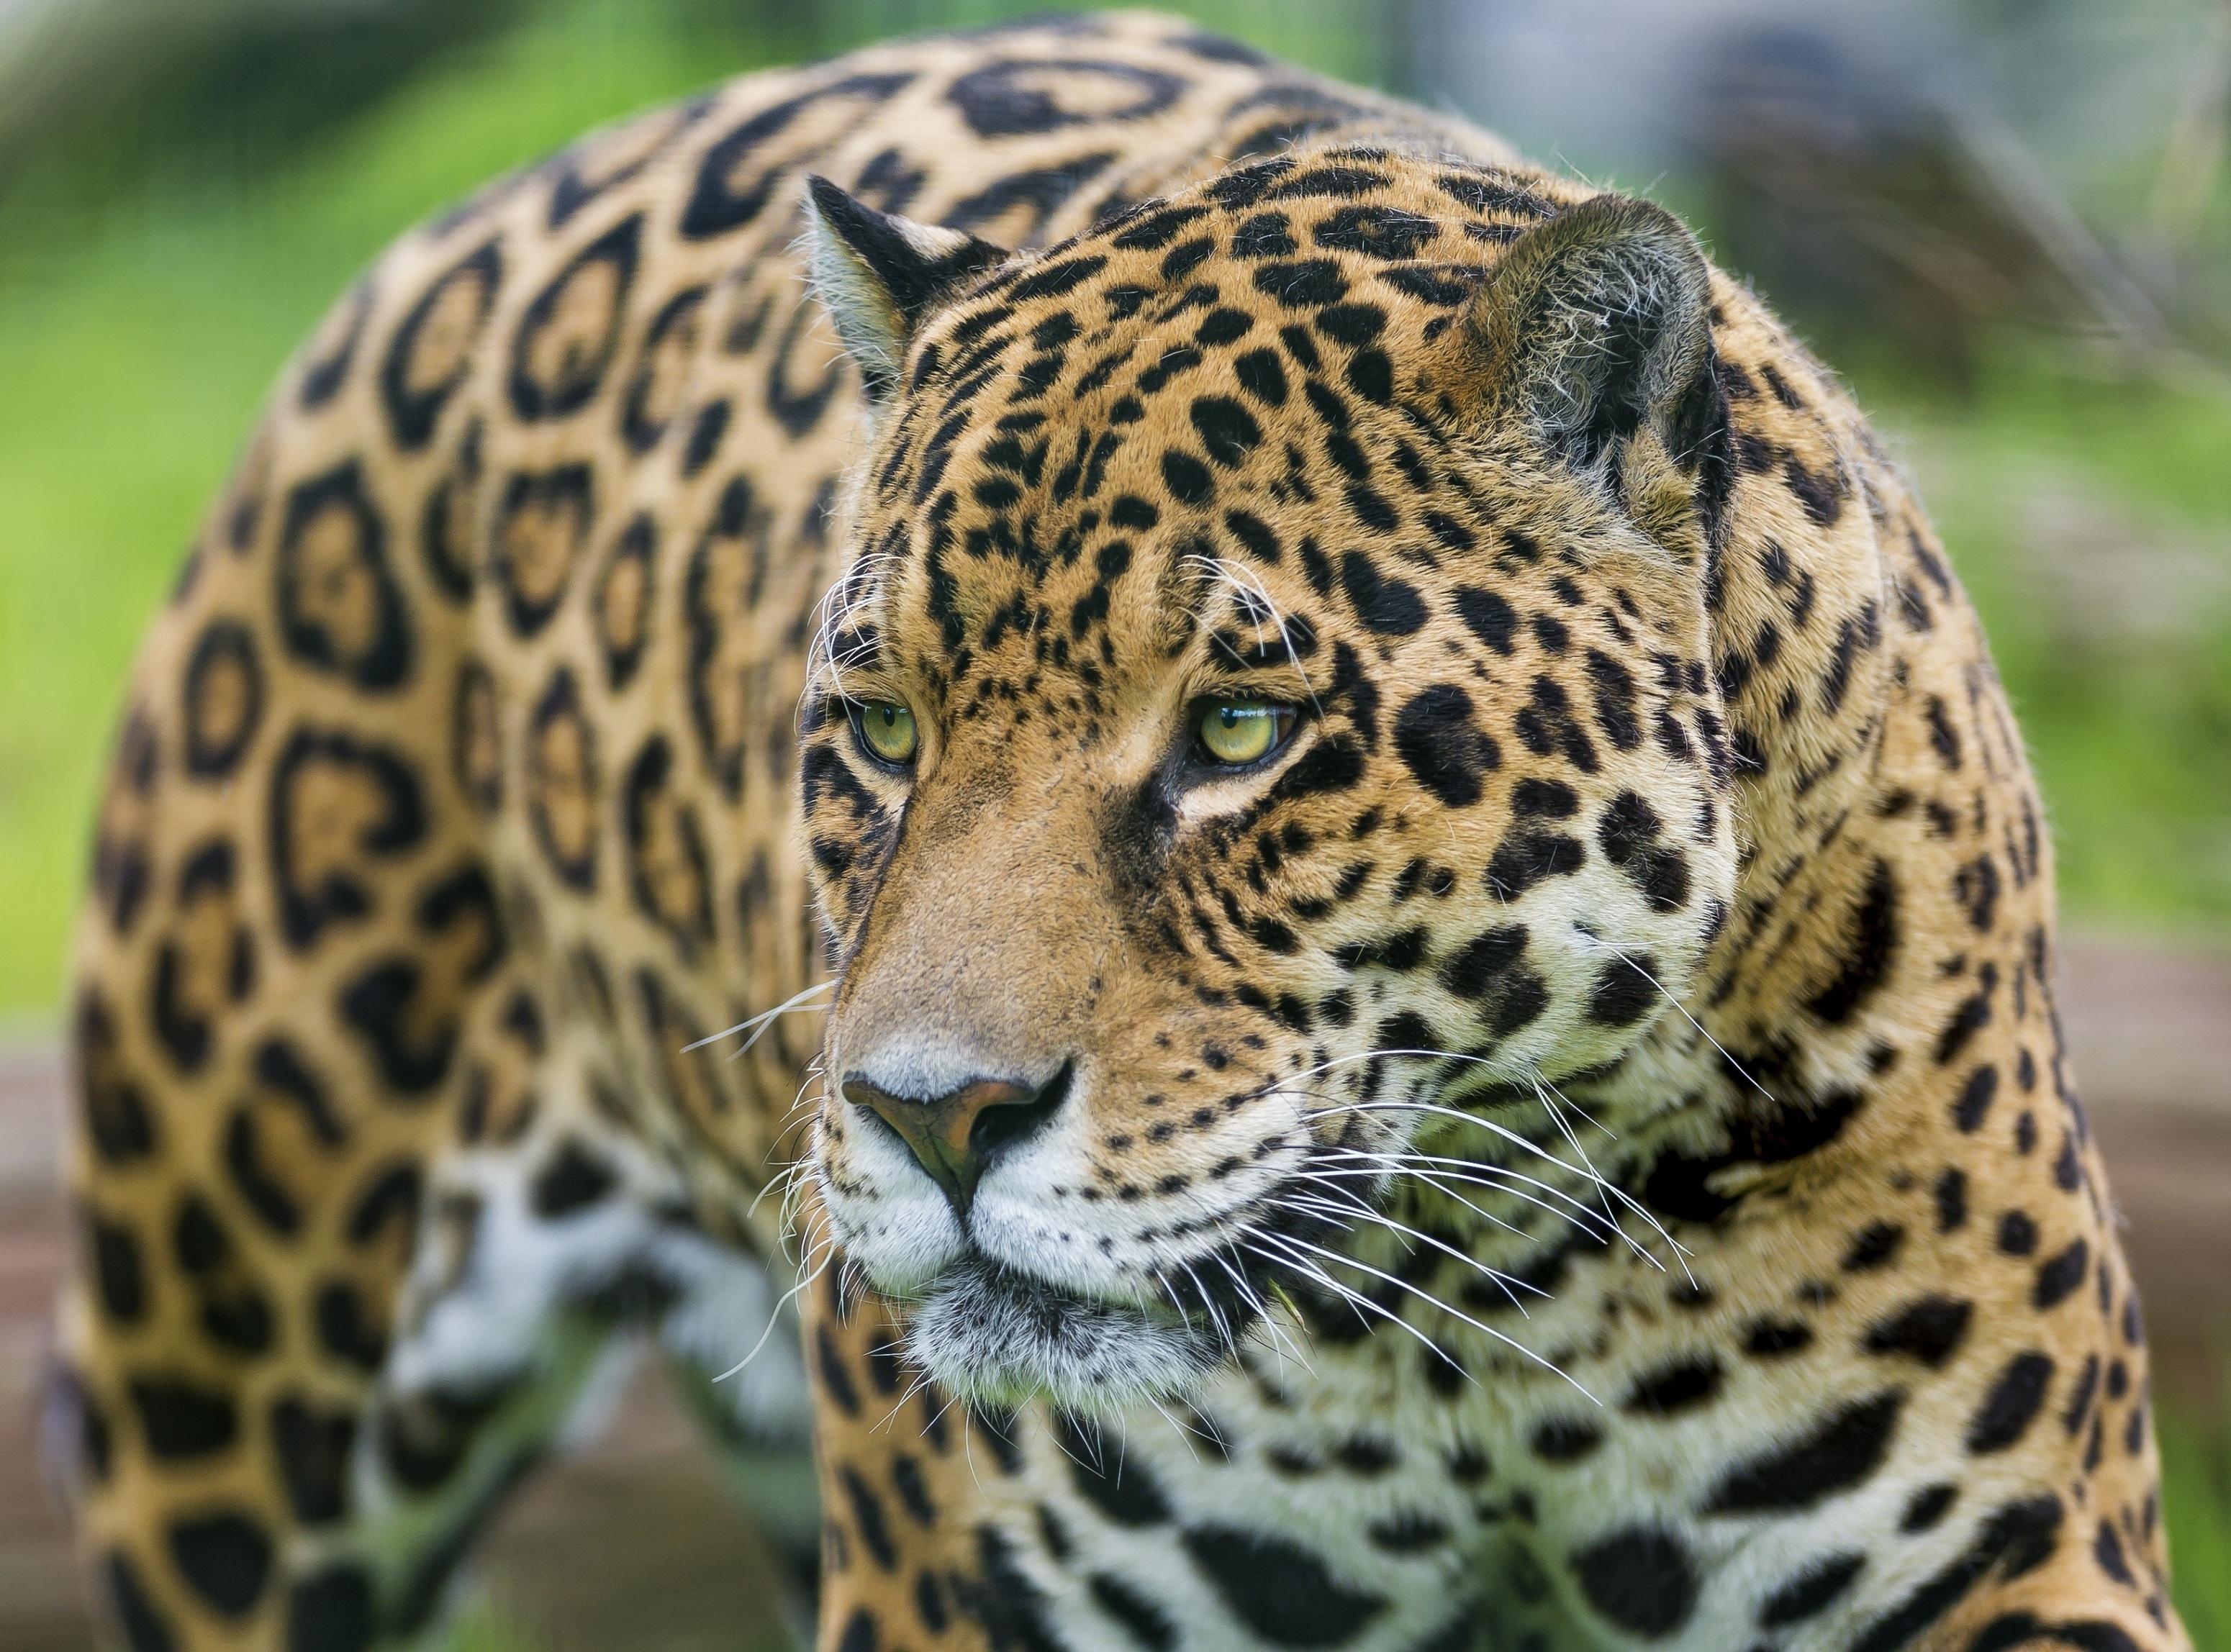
{"x": 1268, "y": 702}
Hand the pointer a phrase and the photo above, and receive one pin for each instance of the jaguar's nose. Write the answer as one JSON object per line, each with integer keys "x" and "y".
{"x": 957, "y": 1136}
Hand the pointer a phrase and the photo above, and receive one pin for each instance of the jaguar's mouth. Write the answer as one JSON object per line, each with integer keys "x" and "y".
{"x": 998, "y": 1337}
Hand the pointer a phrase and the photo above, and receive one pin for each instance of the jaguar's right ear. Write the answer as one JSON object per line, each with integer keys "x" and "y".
{"x": 880, "y": 276}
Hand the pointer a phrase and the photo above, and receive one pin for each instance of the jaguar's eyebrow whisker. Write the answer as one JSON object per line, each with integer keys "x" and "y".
{"x": 1255, "y": 598}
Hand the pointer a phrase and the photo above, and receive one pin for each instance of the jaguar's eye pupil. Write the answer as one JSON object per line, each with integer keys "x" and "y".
{"x": 887, "y": 729}
{"x": 1233, "y": 733}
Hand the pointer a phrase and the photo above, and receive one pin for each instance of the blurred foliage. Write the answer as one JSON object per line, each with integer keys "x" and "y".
{"x": 2091, "y": 521}
{"x": 106, "y": 99}
{"x": 2197, "y": 1504}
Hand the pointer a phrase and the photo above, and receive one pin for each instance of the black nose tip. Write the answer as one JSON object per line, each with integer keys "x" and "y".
{"x": 956, "y": 1136}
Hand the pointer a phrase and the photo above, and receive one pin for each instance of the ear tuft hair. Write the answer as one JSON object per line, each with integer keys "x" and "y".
{"x": 1597, "y": 326}
{"x": 879, "y": 276}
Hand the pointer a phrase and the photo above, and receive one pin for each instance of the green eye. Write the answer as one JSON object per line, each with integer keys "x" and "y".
{"x": 887, "y": 729}
{"x": 1235, "y": 732}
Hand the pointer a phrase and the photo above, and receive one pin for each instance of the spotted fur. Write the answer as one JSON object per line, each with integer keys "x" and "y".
{"x": 1572, "y": 1149}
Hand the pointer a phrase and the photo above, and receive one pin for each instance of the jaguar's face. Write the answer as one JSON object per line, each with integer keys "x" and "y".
{"x": 1269, "y": 704}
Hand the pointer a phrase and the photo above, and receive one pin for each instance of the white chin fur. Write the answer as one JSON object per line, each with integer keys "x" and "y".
{"x": 996, "y": 1337}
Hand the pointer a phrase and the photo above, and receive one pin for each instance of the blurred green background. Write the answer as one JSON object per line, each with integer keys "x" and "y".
{"x": 2006, "y": 220}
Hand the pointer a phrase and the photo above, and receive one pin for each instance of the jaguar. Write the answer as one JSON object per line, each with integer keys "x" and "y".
{"x": 1246, "y": 871}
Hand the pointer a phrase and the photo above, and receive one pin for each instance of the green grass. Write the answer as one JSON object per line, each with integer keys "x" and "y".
{"x": 2196, "y": 1502}
{"x": 2130, "y": 733}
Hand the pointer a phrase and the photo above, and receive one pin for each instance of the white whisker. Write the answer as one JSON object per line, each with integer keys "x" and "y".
{"x": 759, "y": 1023}
{"x": 1454, "y": 1313}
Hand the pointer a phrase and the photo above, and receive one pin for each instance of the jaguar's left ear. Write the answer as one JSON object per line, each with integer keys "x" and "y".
{"x": 880, "y": 276}
{"x": 1596, "y": 327}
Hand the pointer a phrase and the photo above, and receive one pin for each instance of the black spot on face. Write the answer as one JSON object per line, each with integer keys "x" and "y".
{"x": 1135, "y": 1610}
{"x": 1227, "y": 430}
{"x": 1527, "y": 856}
{"x": 1623, "y": 991}
{"x": 1389, "y": 607}
{"x": 1443, "y": 746}
{"x": 1565, "y": 1439}
{"x": 1629, "y": 835}
{"x": 1188, "y": 479}
{"x": 1927, "y": 1506}
{"x": 1873, "y": 1247}
{"x": 1640, "y": 1577}
{"x": 1545, "y": 726}
{"x": 1677, "y": 1387}
{"x": 1773, "y": 1339}
{"x": 1488, "y": 617}
{"x": 572, "y": 1180}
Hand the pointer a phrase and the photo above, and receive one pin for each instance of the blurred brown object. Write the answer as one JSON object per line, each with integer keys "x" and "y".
{"x": 631, "y": 1546}
{"x": 1895, "y": 217}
